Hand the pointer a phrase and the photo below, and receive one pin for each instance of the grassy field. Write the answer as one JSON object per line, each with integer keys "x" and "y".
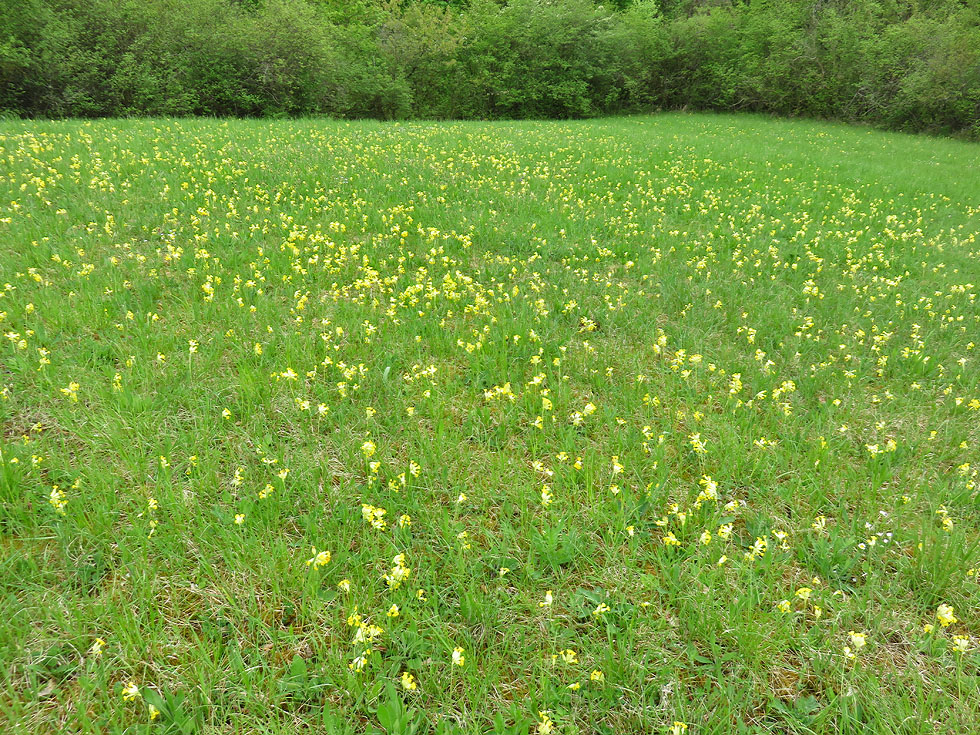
{"x": 650, "y": 425}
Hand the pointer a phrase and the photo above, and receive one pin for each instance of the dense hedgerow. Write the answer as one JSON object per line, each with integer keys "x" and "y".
{"x": 898, "y": 63}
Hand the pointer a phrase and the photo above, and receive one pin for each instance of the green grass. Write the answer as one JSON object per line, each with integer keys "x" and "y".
{"x": 499, "y": 309}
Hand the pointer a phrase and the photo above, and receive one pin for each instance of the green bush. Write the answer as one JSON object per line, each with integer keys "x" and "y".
{"x": 887, "y": 62}
{"x": 539, "y": 58}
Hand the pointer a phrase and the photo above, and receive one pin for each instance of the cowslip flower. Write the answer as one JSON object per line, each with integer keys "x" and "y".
{"x": 459, "y": 656}
{"x": 858, "y": 640}
{"x": 130, "y": 692}
{"x": 319, "y": 559}
{"x": 408, "y": 681}
{"x": 944, "y": 614}
{"x": 58, "y": 500}
{"x": 545, "y": 726}
{"x": 398, "y": 574}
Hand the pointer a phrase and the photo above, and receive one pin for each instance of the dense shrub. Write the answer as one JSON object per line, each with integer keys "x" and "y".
{"x": 896, "y": 63}
{"x": 532, "y": 58}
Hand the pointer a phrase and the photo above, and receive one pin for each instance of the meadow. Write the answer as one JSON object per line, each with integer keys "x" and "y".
{"x": 643, "y": 425}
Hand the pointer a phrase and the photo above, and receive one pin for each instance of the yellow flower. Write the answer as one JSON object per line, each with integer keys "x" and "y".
{"x": 319, "y": 559}
{"x": 398, "y": 574}
{"x": 783, "y": 606}
{"x": 344, "y": 585}
{"x": 944, "y": 614}
{"x": 239, "y": 519}
{"x": 154, "y": 713}
{"x": 678, "y": 728}
{"x": 393, "y": 611}
{"x": 359, "y": 662}
{"x": 961, "y": 643}
{"x": 548, "y": 600}
{"x": 131, "y": 691}
{"x": 58, "y": 500}
{"x": 459, "y": 657}
{"x": 597, "y": 675}
{"x": 408, "y": 681}
{"x": 96, "y": 649}
{"x": 369, "y": 448}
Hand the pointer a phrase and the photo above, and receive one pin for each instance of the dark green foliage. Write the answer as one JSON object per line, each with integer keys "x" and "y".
{"x": 898, "y": 63}
{"x": 540, "y": 59}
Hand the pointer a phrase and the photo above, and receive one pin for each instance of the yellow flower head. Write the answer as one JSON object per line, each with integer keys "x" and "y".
{"x": 130, "y": 691}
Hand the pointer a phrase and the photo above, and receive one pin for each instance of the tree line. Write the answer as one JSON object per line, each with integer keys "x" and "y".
{"x": 902, "y": 64}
